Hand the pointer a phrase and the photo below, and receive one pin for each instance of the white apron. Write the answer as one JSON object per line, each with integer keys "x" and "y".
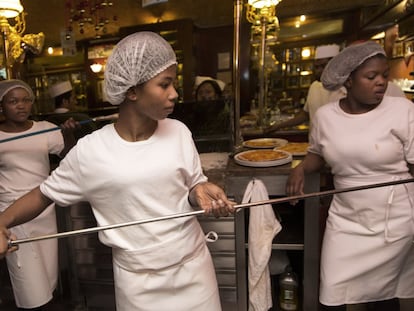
{"x": 172, "y": 276}
{"x": 368, "y": 252}
{"x": 33, "y": 268}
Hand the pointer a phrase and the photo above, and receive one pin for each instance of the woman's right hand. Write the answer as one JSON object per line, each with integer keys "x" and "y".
{"x": 271, "y": 129}
{"x": 5, "y": 237}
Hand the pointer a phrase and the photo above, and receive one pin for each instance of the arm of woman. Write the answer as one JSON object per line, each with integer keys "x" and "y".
{"x": 22, "y": 210}
{"x": 211, "y": 198}
{"x": 68, "y": 129}
{"x": 296, "y": 180}
{"x": 298, "y": 119}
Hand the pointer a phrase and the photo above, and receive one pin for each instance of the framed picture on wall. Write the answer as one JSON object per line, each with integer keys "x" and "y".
{"x": 223, "y": 61}
{"x": 408, "y": 47}
{"x": 398, "y": 50}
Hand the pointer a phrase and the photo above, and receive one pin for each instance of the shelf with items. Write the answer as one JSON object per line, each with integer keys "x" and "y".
{"x": 297, "y": 65}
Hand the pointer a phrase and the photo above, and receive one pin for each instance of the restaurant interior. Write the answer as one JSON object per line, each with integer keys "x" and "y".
{"x": 264, "y": 55}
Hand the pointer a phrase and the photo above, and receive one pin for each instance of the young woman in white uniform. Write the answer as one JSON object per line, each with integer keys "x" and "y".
{"x": 24, "y": 164}
{"x": 366, "y": 137}
{"x": 143, "y": 166}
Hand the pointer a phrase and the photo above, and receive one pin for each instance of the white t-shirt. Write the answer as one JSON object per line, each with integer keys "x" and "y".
{"x": 380, "y": 141}
{"x": 319, "y": 96}
{"x": 24, "y": 162}
{"x": 125, "y": 181}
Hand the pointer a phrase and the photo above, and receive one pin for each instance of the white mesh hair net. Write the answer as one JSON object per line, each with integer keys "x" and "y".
{"x": 342, "y": 65}
{"x": 8, "y": 85}
{"x": 136, "y": 59}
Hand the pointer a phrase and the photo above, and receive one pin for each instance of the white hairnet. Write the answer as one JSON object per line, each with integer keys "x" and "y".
{"x": 342, "y": 65}
{"x": 136, "y": 59}
{"x": 8, "y": 85}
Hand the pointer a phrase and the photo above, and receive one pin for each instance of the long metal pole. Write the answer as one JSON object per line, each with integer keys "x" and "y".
{"x": 200, "y": 212}
{"x": 238, "y": 10}
{"x": 5, "y": 31}
{"x": 262, "y": 96}
{"x": 102, "y": 118}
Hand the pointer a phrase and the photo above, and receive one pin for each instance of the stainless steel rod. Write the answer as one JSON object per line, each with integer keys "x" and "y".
{"x": 102, "y": 118}
{"x": 200, "y": 212}
{"x": 101, "y": 228}
{"x": 324, "y": 193}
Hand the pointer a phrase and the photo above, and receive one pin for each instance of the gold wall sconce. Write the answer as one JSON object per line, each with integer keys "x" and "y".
{"x": 14, "y": 44}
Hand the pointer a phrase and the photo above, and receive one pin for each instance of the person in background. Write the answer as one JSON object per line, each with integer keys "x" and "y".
{"x": 211, "y": 112}
{"x": 317, "y": 94}
{"x": 143, "y": 166}
{"x": 366, "y": 137}
{"x": 65, "y": 101}
{"x": 63, "y": 96}
{"x": 24, "y": 164}
{"x": 208, "y": 89}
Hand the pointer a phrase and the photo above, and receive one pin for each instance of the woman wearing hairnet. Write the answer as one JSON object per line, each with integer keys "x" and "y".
{"x": 24, "y": 164}
{"x": 143, "y": 166}
{"x": 366, "y": 137}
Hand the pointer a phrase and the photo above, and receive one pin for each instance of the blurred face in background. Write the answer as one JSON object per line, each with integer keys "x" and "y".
{"x": 207, "y": 91}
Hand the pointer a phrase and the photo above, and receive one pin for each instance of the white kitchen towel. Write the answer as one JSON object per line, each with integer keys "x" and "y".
{"x": 263, "y": 227}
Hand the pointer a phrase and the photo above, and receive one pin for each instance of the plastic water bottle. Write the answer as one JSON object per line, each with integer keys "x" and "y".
{"x": 288, "y": 290}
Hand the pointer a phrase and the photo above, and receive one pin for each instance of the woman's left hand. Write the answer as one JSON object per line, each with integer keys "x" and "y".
{"x": 69, "y": 126}
{"x": 212, "y": 199}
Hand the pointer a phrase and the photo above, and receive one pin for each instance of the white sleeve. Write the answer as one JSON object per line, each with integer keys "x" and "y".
{"x": 64, "y": 185}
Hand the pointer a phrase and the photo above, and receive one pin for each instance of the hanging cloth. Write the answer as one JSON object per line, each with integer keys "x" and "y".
{"x": 263, "y": 227}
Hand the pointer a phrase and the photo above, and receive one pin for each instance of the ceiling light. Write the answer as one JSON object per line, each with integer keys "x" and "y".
{"x": 259, "y": 4}
{"x": 96, "y": 67}
{"x": 306, "y": 53}
{"x": 10, "y": 8}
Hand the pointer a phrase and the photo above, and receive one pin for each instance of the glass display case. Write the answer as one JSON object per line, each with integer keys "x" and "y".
{"x": 44, "y": 71}
{"x": 40, "y": 85}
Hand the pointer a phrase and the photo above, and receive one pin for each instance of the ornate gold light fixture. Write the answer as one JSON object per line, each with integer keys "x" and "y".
{"x": 14, "y": 44}
{"x": 265, "y": 24}
{"x": 92, "y": 13}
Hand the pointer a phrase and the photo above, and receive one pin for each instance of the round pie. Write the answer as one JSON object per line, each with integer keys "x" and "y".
{"x": 295, "y": 148}
{"x": 262, "y": 155}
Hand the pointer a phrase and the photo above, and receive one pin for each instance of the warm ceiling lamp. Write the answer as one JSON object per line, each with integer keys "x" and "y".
{"x": 259, "y": 4}
{"x": 10, "y": 8}
{"x": 96, "y": 67}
